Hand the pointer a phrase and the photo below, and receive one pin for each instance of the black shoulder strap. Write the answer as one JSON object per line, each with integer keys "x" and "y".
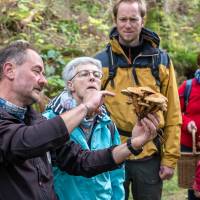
{"x": 159, "y": 140}
{"x": 111, "y": 127}
{"x": 112, "y": 67}
{"x": 187, "y": 91}
{"x": 155, "y": 69}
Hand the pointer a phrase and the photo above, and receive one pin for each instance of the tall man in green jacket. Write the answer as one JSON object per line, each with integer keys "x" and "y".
{"x": 133, "y": 58}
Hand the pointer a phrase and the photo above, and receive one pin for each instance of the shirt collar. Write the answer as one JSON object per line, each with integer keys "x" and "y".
{"x": 12, "y": 109}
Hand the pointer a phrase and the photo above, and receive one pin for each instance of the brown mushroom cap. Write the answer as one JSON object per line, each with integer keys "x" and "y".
{"x": 145, "y": 100}
{"x": 147, "y": 90}
{"x": 156, "y": 98}
{"x": 135, "y": 90}
{"x": 126, "y": 92}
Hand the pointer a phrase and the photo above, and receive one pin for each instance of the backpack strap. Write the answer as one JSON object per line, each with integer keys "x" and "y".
{"x": 135, "y": 76}
{"x": 112, "y": 67}
{"x": 187, "y": 91}
{"x": 159, "y": 140}
{"x": 155, "y": 69}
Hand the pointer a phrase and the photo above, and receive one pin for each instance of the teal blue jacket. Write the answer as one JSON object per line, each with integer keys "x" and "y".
{"x": 105, "y": 186}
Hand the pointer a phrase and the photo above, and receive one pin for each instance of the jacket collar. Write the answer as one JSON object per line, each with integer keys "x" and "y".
{"x": 13, "y": 109}
{"x": 149, "y": 40}
{"x": 30, "y": 116}
{"x": 145, "y": 35}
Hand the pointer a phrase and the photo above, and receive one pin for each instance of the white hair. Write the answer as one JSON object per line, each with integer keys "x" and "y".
{"x": 70, "y": 69}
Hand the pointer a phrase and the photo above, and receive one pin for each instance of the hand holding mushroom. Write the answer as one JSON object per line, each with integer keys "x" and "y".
{"x": 145, "y": 100}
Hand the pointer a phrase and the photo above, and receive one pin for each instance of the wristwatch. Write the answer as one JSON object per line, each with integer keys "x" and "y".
{"x": 132, "y": 150}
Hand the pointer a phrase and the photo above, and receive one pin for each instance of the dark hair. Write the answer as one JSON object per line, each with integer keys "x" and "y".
{"x": 15, "y": 51}
{"x": 141, "y": 4}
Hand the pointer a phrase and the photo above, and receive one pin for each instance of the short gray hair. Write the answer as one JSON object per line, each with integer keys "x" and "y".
{"x": 70, "y": 69}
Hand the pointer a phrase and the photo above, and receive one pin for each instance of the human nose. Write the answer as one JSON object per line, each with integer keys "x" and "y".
{"x": 43, "y": 80}
{"x": 91, "y": 76}
{"x": 128, "y": 24}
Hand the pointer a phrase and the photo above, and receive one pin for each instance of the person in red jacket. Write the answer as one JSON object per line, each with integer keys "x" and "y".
{"x": 196, "y": 185}
{"x": 190, "y": 114}
{"x": 191, "y": 117}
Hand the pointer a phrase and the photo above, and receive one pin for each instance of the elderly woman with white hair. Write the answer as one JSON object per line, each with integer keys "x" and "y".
{"x": 96, "y": 131}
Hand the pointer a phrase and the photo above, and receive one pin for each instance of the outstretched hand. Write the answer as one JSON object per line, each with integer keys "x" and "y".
{"x": 93, "y": 99}
{"x": 145, "y": 130}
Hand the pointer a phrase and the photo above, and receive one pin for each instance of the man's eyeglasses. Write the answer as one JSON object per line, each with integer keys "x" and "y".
{"x": 86, "y": 73}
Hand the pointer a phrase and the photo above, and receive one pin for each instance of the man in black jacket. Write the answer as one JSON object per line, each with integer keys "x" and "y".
{"x": 25, "y": 136}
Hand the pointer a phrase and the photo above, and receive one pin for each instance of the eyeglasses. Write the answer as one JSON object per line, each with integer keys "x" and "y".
{"x": 86, "y": 73}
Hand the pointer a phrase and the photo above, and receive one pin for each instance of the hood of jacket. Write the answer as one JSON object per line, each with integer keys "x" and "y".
{"x": 55, "y": 105}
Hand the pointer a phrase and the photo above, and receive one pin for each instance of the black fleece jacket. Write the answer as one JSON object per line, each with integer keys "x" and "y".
{"x": 25, "y": 170}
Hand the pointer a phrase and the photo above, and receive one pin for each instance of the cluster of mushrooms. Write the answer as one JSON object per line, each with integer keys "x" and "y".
{"x": 145, "y": 100}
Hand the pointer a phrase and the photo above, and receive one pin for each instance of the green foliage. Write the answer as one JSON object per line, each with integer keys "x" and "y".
{"x": 55, "y": 86}
{"x": 179, "y": 32}
{"x": 92, "y": 7}
{"x": 54, "y": 64}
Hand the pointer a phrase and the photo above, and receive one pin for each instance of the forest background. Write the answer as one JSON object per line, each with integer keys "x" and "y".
{"x": 64, "y": 29}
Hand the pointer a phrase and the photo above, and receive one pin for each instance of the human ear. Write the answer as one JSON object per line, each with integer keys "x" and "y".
{"x": 9, "y": 70}
{"x": 70, "y": 86}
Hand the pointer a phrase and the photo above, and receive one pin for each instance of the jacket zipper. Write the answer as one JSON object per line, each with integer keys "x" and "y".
{"x": 133, "y": 69}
